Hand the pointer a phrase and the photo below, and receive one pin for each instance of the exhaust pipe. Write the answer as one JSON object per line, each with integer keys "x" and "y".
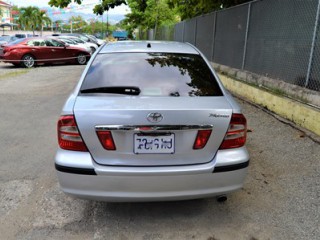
{"x": 222, "y": 198}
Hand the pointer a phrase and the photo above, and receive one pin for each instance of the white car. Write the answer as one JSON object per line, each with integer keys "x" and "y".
{"x": 91, "y": 45}
{"x": 150, "y": 121}
{"x": 71, "y": 42}
{"x": 98, "y": 40}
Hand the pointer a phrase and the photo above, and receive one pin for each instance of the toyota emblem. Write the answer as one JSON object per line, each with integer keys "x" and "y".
{"x": 154, "y": 117}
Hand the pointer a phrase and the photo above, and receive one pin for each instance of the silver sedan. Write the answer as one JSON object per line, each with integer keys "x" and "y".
{"x": 150, "y": 121}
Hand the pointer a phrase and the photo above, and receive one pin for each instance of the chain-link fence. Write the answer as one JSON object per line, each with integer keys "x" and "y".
{"x": 165, "y": 33}
{"x": 275, "y": 38}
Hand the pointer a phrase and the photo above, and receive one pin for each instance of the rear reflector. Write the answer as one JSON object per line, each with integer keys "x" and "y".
{"x": 106, "y": 140}
{"x": 202, "y": 139}
{"x": 237, "y": 133}
{"x": 68, "y": 135}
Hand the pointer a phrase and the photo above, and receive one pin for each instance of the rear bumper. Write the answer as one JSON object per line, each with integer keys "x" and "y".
{"x": 151, "y": 188}
{"x": 225, "y": 174}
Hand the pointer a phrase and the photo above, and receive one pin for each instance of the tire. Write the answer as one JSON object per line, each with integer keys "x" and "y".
{"x": 81, "y": 59}
{"x": 28, "y": 61}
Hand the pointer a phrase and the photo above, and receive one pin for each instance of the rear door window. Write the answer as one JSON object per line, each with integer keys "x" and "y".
{"x": 155, "y": 74}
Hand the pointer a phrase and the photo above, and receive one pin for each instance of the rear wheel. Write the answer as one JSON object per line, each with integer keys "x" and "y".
{"x": 28, "y": 61}
{"x": 82, "y": 59}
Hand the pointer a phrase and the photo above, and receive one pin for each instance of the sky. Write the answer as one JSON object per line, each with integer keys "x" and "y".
{"x": 123, "y": 9}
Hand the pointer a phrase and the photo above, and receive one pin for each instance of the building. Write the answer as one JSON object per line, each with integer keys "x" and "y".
{"x": 5, "y": 15}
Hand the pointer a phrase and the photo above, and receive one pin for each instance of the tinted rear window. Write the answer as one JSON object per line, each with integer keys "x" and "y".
{"x": 156, "y": 74}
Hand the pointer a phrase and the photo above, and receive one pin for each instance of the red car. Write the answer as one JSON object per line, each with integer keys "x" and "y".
{"x": 29, "y": 52}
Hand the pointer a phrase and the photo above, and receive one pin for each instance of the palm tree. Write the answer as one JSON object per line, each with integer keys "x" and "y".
{"x": 42, "y": 19}
{"x": 33, "y": 18}
{"x": 29, "y": 17}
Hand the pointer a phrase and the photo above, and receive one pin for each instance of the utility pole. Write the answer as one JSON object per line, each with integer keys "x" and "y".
{"x": 107, "y": 24}
{"x": 102, "y": 33}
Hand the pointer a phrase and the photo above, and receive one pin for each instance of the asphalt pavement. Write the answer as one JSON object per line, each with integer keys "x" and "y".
{"x": 280, "y": 199}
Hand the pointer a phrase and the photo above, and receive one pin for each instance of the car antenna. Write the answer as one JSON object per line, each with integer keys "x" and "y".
{"x": 149, "y": 45}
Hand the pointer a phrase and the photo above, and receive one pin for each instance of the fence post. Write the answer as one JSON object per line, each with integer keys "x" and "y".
{"x": 314, "y": 39}
{"x": 183, "y": 26}
{"x": 246, "y": 37}
{"x": 195, "y": 31}
{"x": 213, "y": 34}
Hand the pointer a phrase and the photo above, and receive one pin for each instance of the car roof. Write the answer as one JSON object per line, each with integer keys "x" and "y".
{"x": 149, "y": 46}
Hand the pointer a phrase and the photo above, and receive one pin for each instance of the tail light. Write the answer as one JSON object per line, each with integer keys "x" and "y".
{"x": 237, "y": 132}
{"x": 202, "y": 139}
{"x": 68, "y": 135}
{"x": 106, "y": 140}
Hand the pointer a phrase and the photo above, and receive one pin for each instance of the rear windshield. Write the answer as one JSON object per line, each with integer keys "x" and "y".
{"x": 156, "y": 74}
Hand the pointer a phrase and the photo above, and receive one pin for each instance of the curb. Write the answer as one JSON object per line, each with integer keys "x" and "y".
{"x": 301, "y": 114}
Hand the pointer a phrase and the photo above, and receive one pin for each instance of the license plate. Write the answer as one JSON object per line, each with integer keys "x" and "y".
{"x": 153, "y": 144}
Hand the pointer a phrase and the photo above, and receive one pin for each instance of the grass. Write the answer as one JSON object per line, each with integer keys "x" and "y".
{"x": 13, "y": 74}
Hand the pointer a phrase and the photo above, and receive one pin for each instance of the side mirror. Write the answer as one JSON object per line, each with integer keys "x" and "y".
{"x": 66, "y": 45}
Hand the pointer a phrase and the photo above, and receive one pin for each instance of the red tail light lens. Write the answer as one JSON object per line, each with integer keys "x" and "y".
{"x": 106, "y": 140}
{"x": 237, "y": 133}
{"x": 202, "y": 139}
{"x": 68, "y": 135}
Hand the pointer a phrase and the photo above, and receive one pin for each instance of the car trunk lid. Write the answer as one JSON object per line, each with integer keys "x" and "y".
{"x": 126, "y": 117}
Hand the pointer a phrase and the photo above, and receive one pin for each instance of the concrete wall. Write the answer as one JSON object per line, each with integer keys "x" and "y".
{"x": 255, "y": 90}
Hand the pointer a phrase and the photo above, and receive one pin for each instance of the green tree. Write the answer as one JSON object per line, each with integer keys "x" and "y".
{"x": 33, "y": 18}
{"x": 99, "y": 9}
{"x": 98, "y": 27}
{"x": 29, "y": 17}
{"x": 75, "y": 24}
{"x": 158, "y": 14}
{"x": 152, "y": 15}
{"x": 191, "y": 8}
{"x": 42, "y": 19}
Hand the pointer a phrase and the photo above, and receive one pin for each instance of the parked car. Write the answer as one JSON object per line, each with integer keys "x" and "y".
{"x": 92, "y": 46}
{"x": 78, "y": 35}
{"x": 24, "y": 35}
{"x": 5, "y": 40}
{"x": 99, "y": 41}
{"x": 29, "y": 52}
{"x": 150, "y": 121}
{"x": 74, "y": 43}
